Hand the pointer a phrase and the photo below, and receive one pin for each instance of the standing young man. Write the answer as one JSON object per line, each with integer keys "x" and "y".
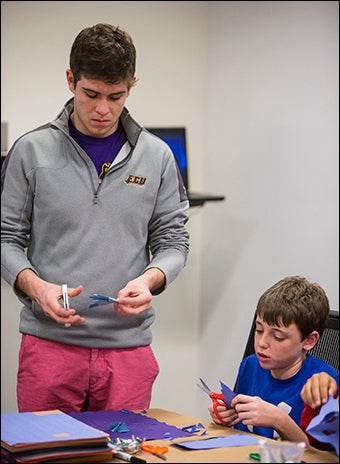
{"x": 94, "y": 201}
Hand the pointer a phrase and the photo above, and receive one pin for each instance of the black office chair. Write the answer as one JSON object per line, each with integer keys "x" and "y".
{"x": 327, "y": 347}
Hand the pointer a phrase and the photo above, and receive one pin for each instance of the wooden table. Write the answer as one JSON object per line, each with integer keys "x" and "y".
{"x": 225, "y": 455}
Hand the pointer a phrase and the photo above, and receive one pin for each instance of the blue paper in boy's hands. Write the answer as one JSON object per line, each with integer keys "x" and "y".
{"x": 325, "y": 426}
{"x": 227, "y": 393}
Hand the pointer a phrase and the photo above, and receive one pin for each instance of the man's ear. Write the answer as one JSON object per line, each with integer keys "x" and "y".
{"x": 70, "y": 80}
{"x": 311, "y": 340}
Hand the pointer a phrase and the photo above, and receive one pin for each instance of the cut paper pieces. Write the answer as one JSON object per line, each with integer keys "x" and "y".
{"x": 239, "y": 439}
{"x": 325, "y": 426}
{"x": 195, "y": 428}
{"x": 118, "y": 427}
{"x": 139, "y": 425}
{"x": 227, "y": 393}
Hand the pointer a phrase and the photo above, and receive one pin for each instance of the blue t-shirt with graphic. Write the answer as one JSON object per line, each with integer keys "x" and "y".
{"x": 253, "y": 380}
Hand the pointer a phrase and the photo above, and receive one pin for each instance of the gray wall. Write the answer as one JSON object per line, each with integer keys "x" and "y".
{"x": 256, "y": 85}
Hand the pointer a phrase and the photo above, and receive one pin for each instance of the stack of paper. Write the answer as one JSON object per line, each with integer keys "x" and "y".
{"x": 33, "y": 437}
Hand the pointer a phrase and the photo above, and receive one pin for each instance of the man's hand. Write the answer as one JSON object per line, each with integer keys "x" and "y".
{"x": 136, "y": 296}
{"x": 47, "y": 296}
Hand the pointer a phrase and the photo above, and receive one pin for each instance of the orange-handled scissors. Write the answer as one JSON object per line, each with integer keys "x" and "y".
{"x": 217, "y": 399}
{"x": 157, "y": 450}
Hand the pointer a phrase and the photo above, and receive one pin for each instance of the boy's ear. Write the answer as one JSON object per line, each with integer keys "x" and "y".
{"x": 311, "y": 340}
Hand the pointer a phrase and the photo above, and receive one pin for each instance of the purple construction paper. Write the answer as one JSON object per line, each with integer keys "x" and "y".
{"x": 239, "y": 439}
{"x": 139, "y": 425}
{"x": 227, "y": 393}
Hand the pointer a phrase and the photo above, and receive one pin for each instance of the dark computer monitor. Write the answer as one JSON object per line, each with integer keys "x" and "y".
{"x": 175, "y": 137}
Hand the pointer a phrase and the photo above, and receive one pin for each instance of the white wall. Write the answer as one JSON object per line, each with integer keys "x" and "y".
{"x": 272, "y": 144}
{"x": 256, "y": 85}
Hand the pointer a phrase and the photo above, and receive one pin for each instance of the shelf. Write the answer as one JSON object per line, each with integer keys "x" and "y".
{"x": 199, "y": 199}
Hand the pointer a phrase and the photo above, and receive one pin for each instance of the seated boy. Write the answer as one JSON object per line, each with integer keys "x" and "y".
{"x": 290, "y": 317}
{"x": 315, "y": 393}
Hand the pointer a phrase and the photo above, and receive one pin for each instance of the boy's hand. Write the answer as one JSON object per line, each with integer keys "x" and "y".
{"x": 229, "y": 416}
{"x": 252, "y": 410}
{"x": 318, "y": 388}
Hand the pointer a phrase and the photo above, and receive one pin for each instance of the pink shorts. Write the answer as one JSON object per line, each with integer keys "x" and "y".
{"x": 71, "y": 378}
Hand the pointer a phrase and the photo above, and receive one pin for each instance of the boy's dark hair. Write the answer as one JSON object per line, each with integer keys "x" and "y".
{"x": 295, "y": 300}
{"x": 105, "y": 53}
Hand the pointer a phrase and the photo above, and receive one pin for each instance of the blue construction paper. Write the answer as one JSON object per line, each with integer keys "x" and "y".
{"x": 325, "y": 426}
{"x": 44, "y": 427}
{"x": 118, "y": 427}
{"x": 227, "y": 393}
{"x": 239, "y": 439}
{"x": 193, "y": 428}
{"x": 139, "y": 425}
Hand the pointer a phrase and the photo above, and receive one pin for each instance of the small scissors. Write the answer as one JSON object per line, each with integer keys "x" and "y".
{"x": 64, "y": 290}
{"x": 100, "y": 300}
{"x": 217, "y": 399}
{"x": 157, "y": 450}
